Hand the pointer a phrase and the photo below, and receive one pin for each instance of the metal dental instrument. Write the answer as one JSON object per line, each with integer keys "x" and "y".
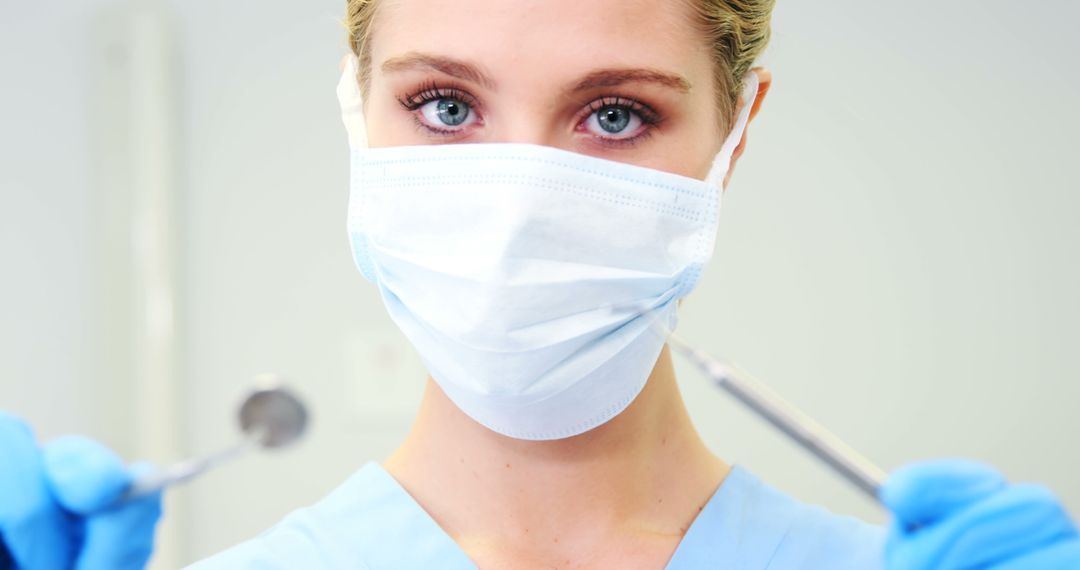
{"x": 271, "y": 417}
{"x": 849, "y": 463}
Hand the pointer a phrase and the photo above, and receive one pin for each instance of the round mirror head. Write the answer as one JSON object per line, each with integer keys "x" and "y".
{"x": 273, "y": 416}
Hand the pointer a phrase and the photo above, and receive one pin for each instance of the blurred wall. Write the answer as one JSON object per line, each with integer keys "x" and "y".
{"x": 896, "y": 256}
{"x": 61, "y": 341}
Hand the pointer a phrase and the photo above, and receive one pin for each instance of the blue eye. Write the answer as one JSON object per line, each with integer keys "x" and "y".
{"x": 614, "y": 121}
{"x": 447, "y": 112}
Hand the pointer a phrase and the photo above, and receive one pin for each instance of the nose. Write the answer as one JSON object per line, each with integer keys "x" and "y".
{"x": 527, "y": 124}
{"x": 525, "y": 134}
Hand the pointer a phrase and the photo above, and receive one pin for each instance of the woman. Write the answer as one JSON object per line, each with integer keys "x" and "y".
{"x": 529, "y": 273}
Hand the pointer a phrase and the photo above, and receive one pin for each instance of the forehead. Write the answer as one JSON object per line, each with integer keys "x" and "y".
{"x": 544, "y": 39}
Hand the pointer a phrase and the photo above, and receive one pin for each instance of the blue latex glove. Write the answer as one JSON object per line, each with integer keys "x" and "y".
{"x": 963, "y": 515}
{"x": 55, "y": 505}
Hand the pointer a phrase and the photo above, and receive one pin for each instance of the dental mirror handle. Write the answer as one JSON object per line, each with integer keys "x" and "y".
{"x": 183, "y": 471}
{"x": 271, "y": 417}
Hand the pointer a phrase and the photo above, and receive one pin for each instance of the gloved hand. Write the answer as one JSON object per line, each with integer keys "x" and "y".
{"x": 962, "y": 515}
{"x": 55, "y": 505}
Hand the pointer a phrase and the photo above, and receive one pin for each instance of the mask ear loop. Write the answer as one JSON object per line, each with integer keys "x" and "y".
{"x": 352, "y": 105}
{"x": 722, "y": 162}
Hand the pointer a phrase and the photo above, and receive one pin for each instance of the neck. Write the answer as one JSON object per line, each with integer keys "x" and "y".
{"x": 645, "y": 472}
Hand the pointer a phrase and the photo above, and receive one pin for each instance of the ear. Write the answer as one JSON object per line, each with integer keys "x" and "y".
{"x": 764, "y": 83}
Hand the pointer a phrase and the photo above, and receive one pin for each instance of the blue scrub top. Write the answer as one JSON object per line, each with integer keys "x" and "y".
{"x": 371, "y": 523}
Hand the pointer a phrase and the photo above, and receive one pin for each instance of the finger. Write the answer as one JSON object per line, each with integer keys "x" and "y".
{"x": 1008, "y": 524}
{"x": 1061, "y": 556}
{"x": 6, "y": 562}
{"x": 1017, "y": 520}
{"x": 85, "y": 476}
{"x": 923, "y": 493}
{"x": 36, "y": 532}
{"x": 121, "y": 536}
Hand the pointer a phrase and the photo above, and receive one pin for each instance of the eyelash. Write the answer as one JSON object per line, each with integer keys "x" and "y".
{"x": 431, "y": 91}
{"x": 649, "y": 118}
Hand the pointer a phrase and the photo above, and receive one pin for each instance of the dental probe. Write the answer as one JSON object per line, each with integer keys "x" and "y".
{"x": 843, "y": 459}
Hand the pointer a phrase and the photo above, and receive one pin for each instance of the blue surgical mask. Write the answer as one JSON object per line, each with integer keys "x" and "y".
{"x": 521, "y": 272}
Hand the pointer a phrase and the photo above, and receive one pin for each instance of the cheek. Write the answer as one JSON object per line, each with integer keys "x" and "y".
{"x": 705, "y": 136}
{"x": 690, "y": 152}
{"x": 387, "y": 124}
{"x": 698, "y": 158}
{"x": 708, "y": 141}
{"x": 690, "y": 136}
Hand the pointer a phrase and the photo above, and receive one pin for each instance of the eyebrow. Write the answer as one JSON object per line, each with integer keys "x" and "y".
{"x": 594, "y": 80}
{"x": 616, "y": 77}
{"x": 451, "y": 67}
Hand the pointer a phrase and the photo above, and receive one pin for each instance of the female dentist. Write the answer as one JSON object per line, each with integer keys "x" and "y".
{"x": 520, "y": 170}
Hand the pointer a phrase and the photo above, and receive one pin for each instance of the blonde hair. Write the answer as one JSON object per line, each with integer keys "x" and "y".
{"x": 738, "y": 31}
{"x": 359, "y": 15}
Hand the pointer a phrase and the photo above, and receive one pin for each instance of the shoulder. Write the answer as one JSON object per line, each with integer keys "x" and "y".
{"x": 288, "y": 544}
{"x": 369, "y": 522}
{"x": 818, "y": 538}
{"x": 300, "y": 540}
{"x": 809, "y": 536}
{"x": 751, "y": 525}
